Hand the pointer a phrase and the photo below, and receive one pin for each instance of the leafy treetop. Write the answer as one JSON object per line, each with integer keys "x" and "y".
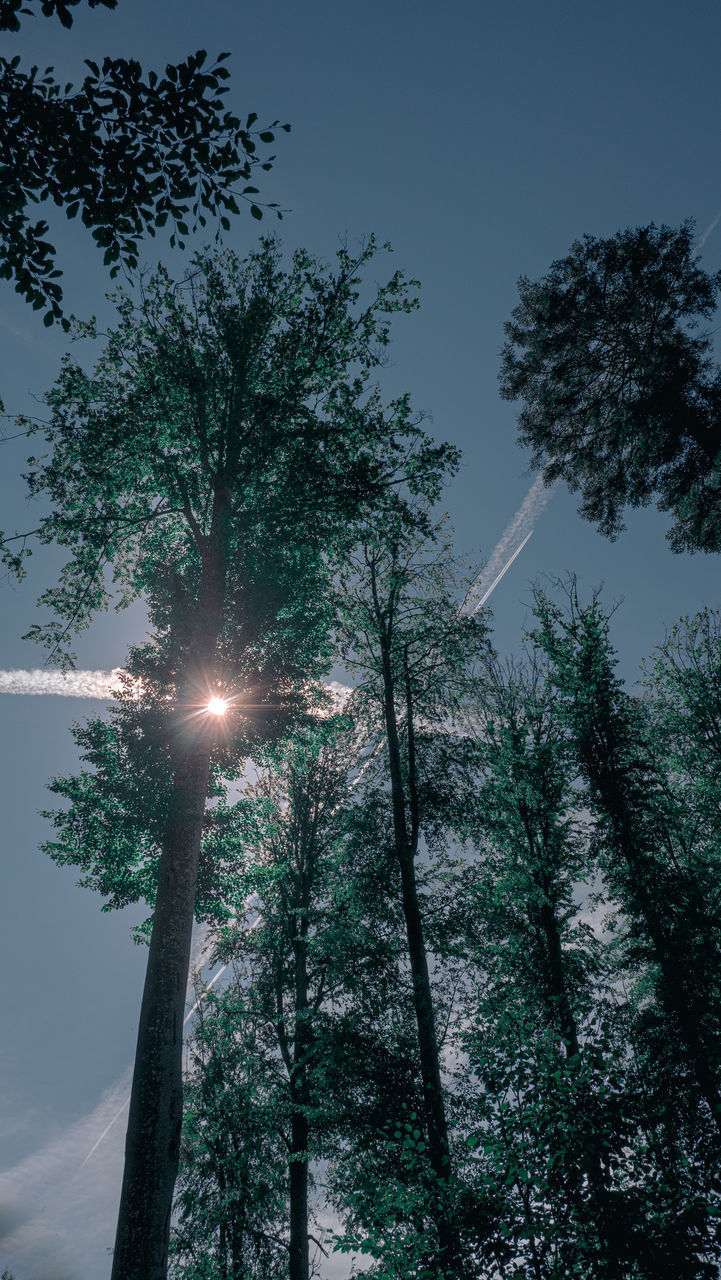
{"x": 620, "y": 397}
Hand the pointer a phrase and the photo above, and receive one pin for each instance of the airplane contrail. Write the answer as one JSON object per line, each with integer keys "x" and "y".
{"x": 700, "y": 242}
{"x": 258, "y": 920}
{"x": 520, "y": 528}
{"x": 504, "y": 570}
{"x": 105, "y": 685}
{"x": 65, "y": 684}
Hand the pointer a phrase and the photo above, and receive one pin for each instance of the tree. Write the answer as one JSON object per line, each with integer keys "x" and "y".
{"x": 293, "y": 854}
{"x": 128, "y": 152}
{"x": 230, "y": 1209}
{"x": 620, "y": 397}
{"x": 556, "y": 1111}
{"x": 217, "y": 459}
{"x": 404, "y": 635}
{"x": 647, "y": 847}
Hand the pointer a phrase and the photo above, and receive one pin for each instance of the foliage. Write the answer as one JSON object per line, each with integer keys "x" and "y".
{"x": 129, "y": 152}
{"x": 620, "y": 397}
{"x": 248, "y": 375}
{"x": 231, "y": 1201}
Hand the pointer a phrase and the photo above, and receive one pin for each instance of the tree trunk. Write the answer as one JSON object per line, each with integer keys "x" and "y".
{"x": 405, "y": 848}
{"x": 556, "y": 981}
{"x": 299, "y": 1258}
{"x": 152, "y": 1145}
{"x": 680, "y": 1001}
{"x": 152, "y": 1148}
{"x": 299, "y": 1255}
{"x": 600, "y": 1210}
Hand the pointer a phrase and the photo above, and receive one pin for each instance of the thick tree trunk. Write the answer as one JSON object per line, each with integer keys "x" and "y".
{"x": 152, "y": 1149}
{"x": 299, "y": 1256}
{"x": 556, "y": 980}
{"x": 152, "y": 1146}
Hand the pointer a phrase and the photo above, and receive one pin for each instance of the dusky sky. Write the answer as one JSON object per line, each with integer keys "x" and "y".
{"x": 481, "y": 140}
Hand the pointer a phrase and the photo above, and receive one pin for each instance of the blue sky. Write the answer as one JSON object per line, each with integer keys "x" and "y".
{"x": 479, "y": 139}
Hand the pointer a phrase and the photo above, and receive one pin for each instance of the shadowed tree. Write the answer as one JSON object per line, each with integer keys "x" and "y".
{"x": 405, "y": 638}
{"x": 547, "y": 1041}
{"x": 647, "y": 847}
{"x": 217, "y": 460}
{"x": 231, "y": 1206}
{"x": 620, "y": 398}
{"x": 126, "y": 151}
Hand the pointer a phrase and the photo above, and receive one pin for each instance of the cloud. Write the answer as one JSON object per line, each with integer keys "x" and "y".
{"x": 58, "y": 1214}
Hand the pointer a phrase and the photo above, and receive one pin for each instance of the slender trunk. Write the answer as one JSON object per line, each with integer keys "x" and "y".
{"x": 152, "y": 1147}
{"x": 557, "y": 981}
{"x": 299, "y": 1256}
{"x": 423, "y": 1001}
{"x": 600, "y": 1208}
{"x": 405, "y": 848}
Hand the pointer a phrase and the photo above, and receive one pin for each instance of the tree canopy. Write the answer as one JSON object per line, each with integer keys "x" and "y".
{"x": 620, "y": 396}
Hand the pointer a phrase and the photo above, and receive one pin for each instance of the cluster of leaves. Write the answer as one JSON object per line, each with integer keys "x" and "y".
{"x": 127, "y": 151}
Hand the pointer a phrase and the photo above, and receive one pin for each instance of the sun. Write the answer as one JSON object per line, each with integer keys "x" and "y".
{"x": 217, "y": 707}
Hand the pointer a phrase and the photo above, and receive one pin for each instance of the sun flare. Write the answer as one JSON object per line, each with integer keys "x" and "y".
{"x": 217, "y": 707}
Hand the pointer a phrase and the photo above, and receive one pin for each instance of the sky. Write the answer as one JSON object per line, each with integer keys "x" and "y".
{"x": 481, "y": 140}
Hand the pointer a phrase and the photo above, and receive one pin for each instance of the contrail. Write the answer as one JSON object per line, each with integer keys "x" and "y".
{"x": 704, "y": 237}
{"x": 258, "y": 920}
{"x": 105, "y": 685}
{"x": 514, "y": 538}
{"x": 504, "y": 570}
{"x": 69, "y": 684}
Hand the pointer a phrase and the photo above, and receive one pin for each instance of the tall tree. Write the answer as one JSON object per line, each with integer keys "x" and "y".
{"x": 620, "y": 397}
{"x": 126, "y": 151}
{"x": 217, "y": 459}
{"x": 294, "y": 840}
{"x": 537, "y": 1042}
{"x": 231, "y": 1205}
{"x": 645, "y": 839}
{"x": 407, "y": 641}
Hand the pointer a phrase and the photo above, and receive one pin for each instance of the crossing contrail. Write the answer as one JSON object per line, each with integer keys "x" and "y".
{"x": 105, "y": 685}
{"x": 497, "y": 579}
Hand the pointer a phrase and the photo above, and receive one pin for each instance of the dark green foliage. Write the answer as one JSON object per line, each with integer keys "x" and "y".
{"x": 649, "y": 850}
{"x": 128, "y": 152}
{"x": 585, "y": 1115}
{"x": 238, "y": 381}
{"x": 620, "y": 397}
{"x": 231, "y": 1206}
